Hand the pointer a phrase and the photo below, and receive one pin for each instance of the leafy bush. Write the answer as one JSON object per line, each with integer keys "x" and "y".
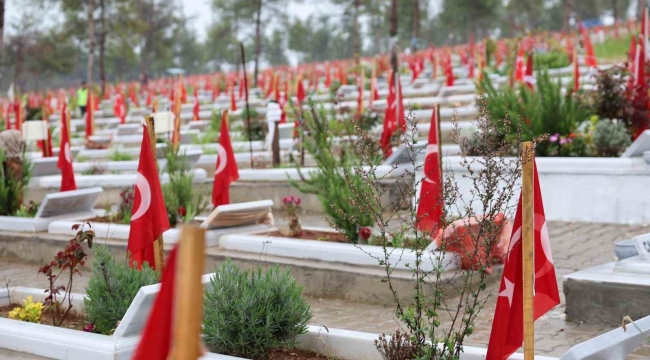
{"x": 396, "y": 347}
{"x": 30, "y": 311}
{"x": 117, "y": 155}
{"x": 334, "y": 181}
{"x": 182, "y": 201}
{"x": 551, "y": 60}
{"x": 111, "y": 289}
{"x": 249, "y": 312}
{"x": 536, "y": 113}
{"x": 610, "y": 138}
{"x": 573, "y": 145}
{"x": 14, "y": 178}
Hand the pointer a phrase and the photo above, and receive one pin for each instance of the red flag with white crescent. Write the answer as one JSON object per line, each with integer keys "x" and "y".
{"x": 529, "y": 79}
{"x": 431, "y": 204}
{"x": 226, "y": 171}
{"x": 65, "y": 155}
{"x": 149, "y": 216}
{"x": 590, "y": 57}
{"x": 576, "y": 75}
{"x": 519, "y": 65}
{"x": 197, "y": 106}
{"x": 90, "y": 117}
{"x": 233, "y": 102}
{"x": 508, "y": 324}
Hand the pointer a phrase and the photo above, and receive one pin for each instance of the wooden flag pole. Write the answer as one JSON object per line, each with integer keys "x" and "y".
{"x": 188, "y": 299}
{"x": 528, "y": 267}
{"x": 158, "y": 244}
{"x": 248, "y": 111}
{"x": 437, "y": 110}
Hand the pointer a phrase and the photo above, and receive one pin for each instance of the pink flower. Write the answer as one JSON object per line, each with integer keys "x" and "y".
{"x": 285, "y": 200}
{"x": 365, "y": 233}
{"x": 89, "y": 328}
{"x": 297, "y": 201}
{"x": 554, "y": 138}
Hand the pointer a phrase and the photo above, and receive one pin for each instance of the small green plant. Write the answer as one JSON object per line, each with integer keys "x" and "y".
{"x": 15, "y": 173}
{"x": 111, "y": 289}
{"x": 612, "y": 48}
{"x": 30, "y": 311}
{"x": 117, "y": 155}
{"x": 250, "y": 312}
{"x": 27, "y": 211}
{"x": 182, "y": 201}
{"x": 551, "y": 60}
{"x": 396, "y": 347}
{"x": 610, "y": 138}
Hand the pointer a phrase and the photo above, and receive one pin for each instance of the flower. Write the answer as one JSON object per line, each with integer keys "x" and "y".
{"x": 297, "y": 201}
{"x": 365, "y": 233}
{"x": 182, "y": 211}
{"x": 565, "y": 140}
{"x": 572, "y": 135}
{"x": 554, "y": 138}
{"x": 89, "y": 328}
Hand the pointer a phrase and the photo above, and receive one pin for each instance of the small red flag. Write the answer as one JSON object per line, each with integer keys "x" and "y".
{"x": 65, "y": 155}
{"x": 300, "y": 92}
{"x": 590, "y": 57}
{"x": 519, "y": 65}
{"x": 529, "y": 79}
{"x": 156, "y": 340}
{"x": 508, "y": 324}
{"x": 90, "y": 117}
{"x": 149, "y": 219}
{"x": 576, "y": 75}
{"x": 233, "y": 102}
{"x": 431, "y": 206}
{"x": 226, "y": 171}
{"x": 197, "y": 106}
{"x": 119, "y": 108}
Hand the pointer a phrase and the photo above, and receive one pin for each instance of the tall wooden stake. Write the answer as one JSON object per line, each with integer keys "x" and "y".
{"x": 188, "y": 301}
{"x": 248, "y": 112}
{"x": 437, "y": 110}
{"x": 158, "y": 248}
{"x": 528, "y": 218}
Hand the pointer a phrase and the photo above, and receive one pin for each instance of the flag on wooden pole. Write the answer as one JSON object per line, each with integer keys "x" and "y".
{"x": 516, "y": 306}
{"x": 226, "y": 171}
{"x": 590, "y": 57}
{"x": 196, "y": 109}
{"x": 576, "y": 73}
{"x": 90, "y": 117}
{"x": 65, "y": 155}
{"x": 431, "y": 205}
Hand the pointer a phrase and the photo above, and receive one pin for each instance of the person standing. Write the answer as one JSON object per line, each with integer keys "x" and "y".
{"x": 82, "y": 98}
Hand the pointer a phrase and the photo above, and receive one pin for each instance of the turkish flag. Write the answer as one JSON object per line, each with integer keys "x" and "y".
{"x": 300, "y": 92}
{"x": 508, "y": 324}
{"x": 65, "y": 155}
{"x": 431, "y": 205}
{"x": 394, "y": 115}
{"x": 197, "y": 106}
{"x": 449, "y": 71}
{"x": 90, "y": 117}
{"x": 590, "y": 57}
{"x": 233, "y": 102}
{"x": 576, "y": 75}
{"x": 149, "y": 216}
{"x": 328, "y": 76}
{"x": 226, "y": 171}
{"x": 529, "y": 79}
{"x": 519, "y": 65}
{"x": 156, "y": 340}
{"x": 119, "y": 108}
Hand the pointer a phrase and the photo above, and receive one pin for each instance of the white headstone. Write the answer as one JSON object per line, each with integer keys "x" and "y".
{"x": 641, "y": 144}
{"x": 163, "y": 122}
{"x": 240, "y": 214}
{"x": 45, "y": 166}
{"x": 406, "y": 154}
{"x": 34, "y": 130}
{"x": 642, "y": 244}
{"x": 79, "y": 201}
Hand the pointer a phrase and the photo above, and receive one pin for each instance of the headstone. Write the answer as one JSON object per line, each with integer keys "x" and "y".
{"x": 79, "y": 201}
{"x": 642, "y": 243}
{"x": 286, "y": 131}
{"x": 641, "y": 144}
{"x": 163, "y": 122}
{"x": 406, "y": 154}
{"x": 128, "y": 129}
{"x": 240, "y": 214}
{"x": 45, "y": 166}
{"x": 34, "y": 130}
{"x": 200, "y": 125}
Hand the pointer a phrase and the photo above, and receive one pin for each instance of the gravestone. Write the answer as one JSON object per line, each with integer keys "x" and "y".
{"x": 45, "y": 166}
{"x": 200, "y": 125}
{"x": 406, "y": 154}
{"x": 286, "y": 131}
{"x": 247, "y": 213}
{"x": 128, "y": 129}
{"x": 639, "y": 146}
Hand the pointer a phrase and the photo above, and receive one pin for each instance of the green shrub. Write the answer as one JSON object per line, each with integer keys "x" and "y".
{"x": 551, "y": 60}
{"x": 182, "y": 201}
{"x": 111, "y": 289}
{"x": 334, "y": 181}
{"x": 543, "y": 111}
{"x": 13, "y": 185}
{"x": 610, "y": 138}
{"x": 117, "y": 155}
{"x": 250, "y": 312}
{"x": 612, "y": 48}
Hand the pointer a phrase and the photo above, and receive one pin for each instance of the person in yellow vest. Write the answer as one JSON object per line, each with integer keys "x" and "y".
{"x": 82, "y": 98}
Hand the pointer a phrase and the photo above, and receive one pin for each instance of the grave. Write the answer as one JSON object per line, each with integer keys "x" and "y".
{"x": 45, "y": 166}
{"x": 606, "y": 293}
{"x": 55, "y": 206}
{"x": 639, "y": 146}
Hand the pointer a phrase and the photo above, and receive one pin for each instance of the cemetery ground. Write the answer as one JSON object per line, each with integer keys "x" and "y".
{"x": 576, "y": 246}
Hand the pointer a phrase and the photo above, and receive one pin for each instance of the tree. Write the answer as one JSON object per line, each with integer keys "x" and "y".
{"x": 274, "y": 49}
{"x": 91, "y": 40}
{"x": 233, "y": 16}
{"x": 467, "y": 17}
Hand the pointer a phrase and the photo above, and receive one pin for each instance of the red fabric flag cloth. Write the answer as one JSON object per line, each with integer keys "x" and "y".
{"x": 240, "y": 88}
{"x": 149, "y": 219}
{"x": 134, "y": 97}
{"x": 639, "y": 66}
{"x": 449, "y": 71}
{"x": 90, "y": 118}
{"x": 149, "y": 100}
{"x": 328, "y": 76}
{"x": 65, "y": 156}
{"x": 156, "y": 340}
{"x": 508, "y": 325}
{"x": 226, "y": 171}
{"x": 119, "y": 108}
{"x": 590, "y": 57}
{"x": 431, "y": 205}
{"x": 519, "y": 65}
{"x": 529, "y": 79}
{"x": 197, "y": 106}
{"x": 576, "y": 76}
{"x": 394, "y": 115}
{"x": 300, "y": 92}
{"x": 233, "y": 102}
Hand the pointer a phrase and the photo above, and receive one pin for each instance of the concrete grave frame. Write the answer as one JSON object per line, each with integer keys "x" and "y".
{"x": 72, "y": 205}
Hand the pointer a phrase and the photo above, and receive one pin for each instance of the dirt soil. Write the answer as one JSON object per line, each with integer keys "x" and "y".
{"x": 72, "y": 321}
{"x": 296, "y": 354}
{"x": 311, "y": 235}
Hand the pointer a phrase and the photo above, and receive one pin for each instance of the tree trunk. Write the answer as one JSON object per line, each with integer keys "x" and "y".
{"x": 91, "y": 42}
{"x": 18, "y": 67}
{"x": 2, "y": 24}
{"x": 416, "y": 24}
{"x": 102, "y": 45}
{"x": 148, "y": 15}
{"x": 357, "y": 33}
{"x": 258, "y": 44}
{"x": 393, "y": 35}
{"x": 566, "y": 9}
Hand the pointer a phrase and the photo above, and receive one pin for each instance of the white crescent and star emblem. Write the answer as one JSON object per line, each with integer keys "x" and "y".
{"x": 431, "y": 149}
{"x": 222, "y": 159}
{"x": 142, "y": 185}
{"x": 66, "y": 153}
{"x": 508, "y": 291}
